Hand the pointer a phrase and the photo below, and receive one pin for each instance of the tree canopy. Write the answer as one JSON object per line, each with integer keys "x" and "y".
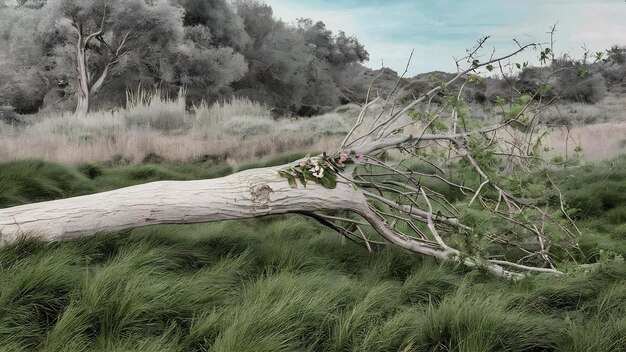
{"x": 96, "y": 50}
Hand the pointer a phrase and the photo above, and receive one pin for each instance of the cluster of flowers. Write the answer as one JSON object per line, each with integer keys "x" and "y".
{"x": 313, "y": 166}
{"x": 316, "y": 166}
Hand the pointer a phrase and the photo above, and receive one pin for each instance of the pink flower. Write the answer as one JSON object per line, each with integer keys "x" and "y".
{"x": 343, "y": 156}
{"x": 360, "y": 157}
{"x": 302, "y": 164}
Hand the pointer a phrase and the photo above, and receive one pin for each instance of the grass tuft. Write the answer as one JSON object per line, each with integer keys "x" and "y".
{"x": 283, "y": 283}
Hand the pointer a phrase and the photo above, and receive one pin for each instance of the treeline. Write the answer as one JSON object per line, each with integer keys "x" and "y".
{"x": 563, "y": 79}
{"x": 215, "y": 49}
{"x": 219, "y": 49}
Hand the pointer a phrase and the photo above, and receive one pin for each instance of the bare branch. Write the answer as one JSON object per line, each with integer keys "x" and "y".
{"x": 100, "y": 31}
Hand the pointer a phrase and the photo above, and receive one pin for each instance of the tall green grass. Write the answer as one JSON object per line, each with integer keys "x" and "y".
{"x": 596, "y": 194}
{"x": 283, "y": 284}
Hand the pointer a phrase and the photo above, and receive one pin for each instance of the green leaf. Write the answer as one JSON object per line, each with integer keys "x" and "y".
{"x": 416, "y": 115}
{"x": 302, "y": 177}
{"x": 557, "y": 159}
{"x": 474, "y": 79}
{"x": 292, "y": 181}
{"x": 328, "y": 181}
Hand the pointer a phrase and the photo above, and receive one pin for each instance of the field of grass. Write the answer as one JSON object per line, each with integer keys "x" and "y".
{"x": 156, "y": 125}
{"x": 286, "y": 284}
{"x": 153, "y": 124}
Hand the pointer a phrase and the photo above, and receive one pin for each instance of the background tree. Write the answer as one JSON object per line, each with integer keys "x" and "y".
{"x": 296, "y": 68}
{"x": 23, "y": 78}
{"x": 208, "y": 60}
{"x": 205, "y": 70}
{"x": 104, "y": 34}
{"x": 97, "y": 50}
{"x": 220, "y": 19}
{"x": 276, "y": 57}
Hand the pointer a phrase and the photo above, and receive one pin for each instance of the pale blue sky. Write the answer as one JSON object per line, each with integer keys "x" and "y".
{"x": 441, "y": 29}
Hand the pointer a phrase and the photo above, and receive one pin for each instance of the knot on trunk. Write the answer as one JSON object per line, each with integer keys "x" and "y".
{"x": 260, "y": 194}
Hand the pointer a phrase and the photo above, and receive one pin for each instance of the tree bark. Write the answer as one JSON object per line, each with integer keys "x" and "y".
{"x": 82, "y": 106}
{"x": 242, "y": 195}
{"x": 85, "y": 87}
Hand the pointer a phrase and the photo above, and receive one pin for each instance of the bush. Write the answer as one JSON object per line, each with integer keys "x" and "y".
{"x": 617, "y": 55}
{"x": 589, "y": 90}
{"x": 154, "y": 109}
{"x": 8, "y": 115}
{"x": 615, "y": 75}
{"x": 24, "y": 90}
{"x": 577, "y": 82}
{"x": 248, "y": 126}
{"x": 498, "y": 88}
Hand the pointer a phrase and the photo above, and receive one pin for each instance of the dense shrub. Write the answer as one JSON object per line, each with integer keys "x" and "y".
{"x": 577, "y": 82}
{"x": 24, "y": 90}
{"x": 617, "y": 55}
{"x": 499, "y": 88}
{"x": 8, "y": 115}
{"x": 248, "y": 126}
{"x": 589, "y": 90}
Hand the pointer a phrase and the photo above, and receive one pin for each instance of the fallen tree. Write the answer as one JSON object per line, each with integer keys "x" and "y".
{"x": 370, "y": 189}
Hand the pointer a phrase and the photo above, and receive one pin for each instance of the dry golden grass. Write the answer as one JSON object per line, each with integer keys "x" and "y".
{"x": 243, "y": 130}
{"x": 610, "y": 109}
{"x": 598, "y": 141}
{"x": 135, "y": 145}
{"x": 236, "y": 130}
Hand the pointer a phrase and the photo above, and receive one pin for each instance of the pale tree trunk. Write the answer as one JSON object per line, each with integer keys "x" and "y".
{"x": 245, "y": 194}
{"x": 82, "y": 89}
{"x": 86, "y": 86}
{"x": 82, "y": 106}
{"x": 85, "y": 91}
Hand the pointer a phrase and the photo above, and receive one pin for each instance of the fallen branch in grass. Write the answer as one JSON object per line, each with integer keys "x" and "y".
{"x": 384, "y": 197}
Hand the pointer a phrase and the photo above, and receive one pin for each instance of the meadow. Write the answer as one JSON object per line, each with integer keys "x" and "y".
{"x": 153, "y": 124}
{"x": 284, "y": 283}
{"x": 155, "y": 128}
